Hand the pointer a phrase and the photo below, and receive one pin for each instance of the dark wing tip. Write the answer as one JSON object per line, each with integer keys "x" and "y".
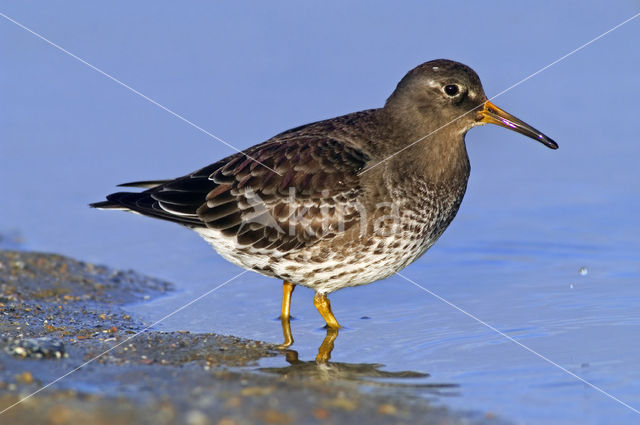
{"x": 117, "y": 201}
{"x": 145, "y": 184}
{"x": 105, "y": 205}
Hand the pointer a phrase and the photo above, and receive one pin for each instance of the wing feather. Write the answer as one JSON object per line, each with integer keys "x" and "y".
{"x": 312, "y": 196}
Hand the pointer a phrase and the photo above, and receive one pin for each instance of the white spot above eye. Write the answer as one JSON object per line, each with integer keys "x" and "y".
{"x": 435, "y": 68}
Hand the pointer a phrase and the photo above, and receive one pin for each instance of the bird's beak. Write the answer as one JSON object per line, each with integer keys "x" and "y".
{"x": 491, "y": 114}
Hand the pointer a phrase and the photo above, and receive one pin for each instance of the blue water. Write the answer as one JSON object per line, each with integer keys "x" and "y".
{"x": 531, "y": 220}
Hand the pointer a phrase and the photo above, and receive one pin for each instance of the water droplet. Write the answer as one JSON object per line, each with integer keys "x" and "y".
{"x": 583, "y": 271}
{"x": 571, "y": 285}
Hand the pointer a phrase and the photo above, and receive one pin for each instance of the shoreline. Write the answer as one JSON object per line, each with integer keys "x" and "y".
{"x": 58, "y": 313}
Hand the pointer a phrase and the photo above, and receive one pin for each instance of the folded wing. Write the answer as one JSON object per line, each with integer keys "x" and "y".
{"x": 282, "y": 194}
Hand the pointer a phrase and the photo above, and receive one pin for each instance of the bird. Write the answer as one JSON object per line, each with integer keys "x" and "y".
{"x": 340, "y": 202}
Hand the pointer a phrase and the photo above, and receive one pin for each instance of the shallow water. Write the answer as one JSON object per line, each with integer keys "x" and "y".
{"x": 534, "y": 292}
{"x": 531, "y": 219}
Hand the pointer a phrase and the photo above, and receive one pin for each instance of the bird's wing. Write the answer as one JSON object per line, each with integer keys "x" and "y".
{"x": 308, "y": 192}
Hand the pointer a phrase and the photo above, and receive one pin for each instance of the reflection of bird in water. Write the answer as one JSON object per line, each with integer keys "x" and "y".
{"x": 365, "y": 373}
{"x": 341, "y": 202}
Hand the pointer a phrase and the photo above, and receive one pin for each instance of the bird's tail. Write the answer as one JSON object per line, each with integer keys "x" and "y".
{"x": 115, "y": 200}
{"x": 126, "y": 201}
{"x": 107, "y": 205}
{"x": 145, "y": 184}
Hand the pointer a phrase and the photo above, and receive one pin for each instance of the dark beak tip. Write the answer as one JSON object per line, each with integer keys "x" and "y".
{"x": 494, "y": 115}
{"x": 551, "y": 144}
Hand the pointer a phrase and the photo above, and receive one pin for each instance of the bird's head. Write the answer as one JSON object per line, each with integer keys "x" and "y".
{"x": 447, "y": 96}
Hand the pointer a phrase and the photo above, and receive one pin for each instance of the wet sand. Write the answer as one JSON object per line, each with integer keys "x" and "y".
{"x": 56, "y": 314}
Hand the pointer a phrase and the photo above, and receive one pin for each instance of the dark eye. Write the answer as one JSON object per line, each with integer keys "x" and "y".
{"x": 451, "y": 90}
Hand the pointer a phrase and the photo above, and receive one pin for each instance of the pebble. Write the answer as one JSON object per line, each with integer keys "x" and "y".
{"x": 25, "y": 378}
{"x": 196, "y": 417}
{"x": 387, "y": 409}
{"x": 39, "y": 348}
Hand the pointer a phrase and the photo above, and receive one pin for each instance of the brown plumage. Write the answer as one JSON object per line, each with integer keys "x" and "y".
{"x": 340, "y": 202}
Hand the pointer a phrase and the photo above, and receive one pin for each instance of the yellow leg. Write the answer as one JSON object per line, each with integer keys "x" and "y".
{"x": 324, "y": 307}
{"x": 286, "y": 332}
{"x": 287, "y": 290}
{"x": 324, "y": 352}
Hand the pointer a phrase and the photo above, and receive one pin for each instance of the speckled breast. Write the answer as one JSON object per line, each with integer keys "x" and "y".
{"x": 386, "y": 240}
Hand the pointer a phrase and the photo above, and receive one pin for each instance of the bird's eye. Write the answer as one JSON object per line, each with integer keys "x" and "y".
{"x": 451, "y": 90}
